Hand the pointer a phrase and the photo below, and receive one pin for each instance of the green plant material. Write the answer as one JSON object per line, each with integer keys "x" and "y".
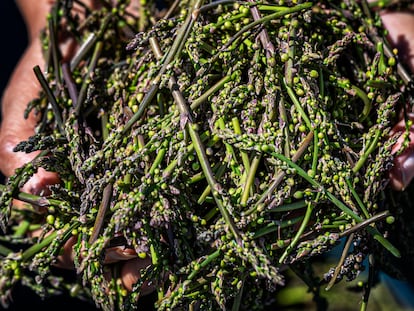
{"x": 225, "y": 140}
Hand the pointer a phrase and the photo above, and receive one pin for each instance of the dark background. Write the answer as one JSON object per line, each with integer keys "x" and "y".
{"x": 13, "y": 38}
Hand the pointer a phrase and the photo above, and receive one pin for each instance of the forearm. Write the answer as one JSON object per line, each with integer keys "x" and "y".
{"x": 34, "y": 14}
{"x": 23, "y": 85}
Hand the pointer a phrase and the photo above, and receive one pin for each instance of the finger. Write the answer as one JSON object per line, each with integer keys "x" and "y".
{"x": 401, "y": 125}
{"x": 119, "y": 253}
{"x": 130, "y": 274}
{"x": 400, "y": 27}
{"x": 39, "y": 183}
{"x": 402, "y": 173}
{"x": 66, "y": 260}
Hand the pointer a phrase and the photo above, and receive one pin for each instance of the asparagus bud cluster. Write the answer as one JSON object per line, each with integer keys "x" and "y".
{"x": 225, "y": 140}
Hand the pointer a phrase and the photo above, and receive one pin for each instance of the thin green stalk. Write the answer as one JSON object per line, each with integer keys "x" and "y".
{"x": 82, "y": 93}
{"x": 288, "y": 207}
{"x": 277, "y": 179}
{"x": 268, "y": 18}
{"x": 35, "y": 200}
{"x": 229, "y": 149}
{"x": 318, "y": 186}
{"x": 300, "y": 231}
{"x": 370, "y": 283}
{"x": 358, "y": 199}
{"x": 83, "y": 50}
{"x": 298, "y": 105}
{"x": 36, "y": 248}
{"x": 382, "y": 66}
{"x": 380, "y": 238}
{"x": 315, "y": 155}
{"x": 367, "y": 102}
{"x": 169, "y": 169}
{"x": 250, "y": 179}
{"x": 52, "y": 21}
{"x": 100, "y": 217}
{"x": 205, "y": 165}
{"x": 345, "y": 250}
{"x": 104, "y": 128}
{"x": 203, "y": 98}
{"x": 373, "y": 231}
{"x": 157, "y": 160}
{"x": 284, "y": 119}
{"x": 4, "y": 251}
{"x": 371, "y": 147}
{"x": 270, "y": 7}
{"x": 207, "y": 190}
{"x": 204, "y": 263}
{"x": 90, "y": 41}
{"x": 22, "y": 228}
{"x": 50, "y": 96}
{"x": 276, "y": 226}
{"x": 244, "y": 155}
{"x": 171, "y": 9}
{"x": 238, "y": 298}
{"x": 190, "y": 148}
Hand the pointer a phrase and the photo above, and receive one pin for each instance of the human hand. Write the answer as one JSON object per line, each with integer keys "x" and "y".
{"x": 21, "y": 89}
{"x": 400, "y": 26}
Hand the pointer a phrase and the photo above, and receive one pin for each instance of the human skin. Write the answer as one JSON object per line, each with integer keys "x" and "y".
{"x": 23, "y": 87}
{"x": 401, "y": 35}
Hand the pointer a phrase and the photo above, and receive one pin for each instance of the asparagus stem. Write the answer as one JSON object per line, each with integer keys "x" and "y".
{"x": 204, "y": 263}
{"x": 264, "y": 36}
{"x": 366, "y": 223}
{"x": 100, "y": 217}
{"x": 250, "y": 179}
{"x": 358, "y": 199}
{"x": 371, "y": 147}
{"x": 345, "y": 250}
{"x": 51, "y": 236}
{"x": 281, "y": 174}
{"x": 218, "y": 86}
{"x": 52, "y": 21}
{"x": 268, "y": 18}
{"x": 298, "y": 105}
{"x": 50, "y": 96}
{"x": 244, "y": 155}
{"x": 369, "y": 284}
{"x": 36, "y": 200}
{"x": 298, "y": 234}
{"x": 91, "y": 68}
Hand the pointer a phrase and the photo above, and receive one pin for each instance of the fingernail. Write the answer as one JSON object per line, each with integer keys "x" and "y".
{"x": 407, "y": 172}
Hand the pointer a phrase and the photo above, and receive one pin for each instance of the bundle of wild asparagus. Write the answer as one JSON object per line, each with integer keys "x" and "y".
{"x": 225, "y": 140}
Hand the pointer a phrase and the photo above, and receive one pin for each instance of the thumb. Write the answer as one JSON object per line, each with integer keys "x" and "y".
{"x": 402, "y": 172}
